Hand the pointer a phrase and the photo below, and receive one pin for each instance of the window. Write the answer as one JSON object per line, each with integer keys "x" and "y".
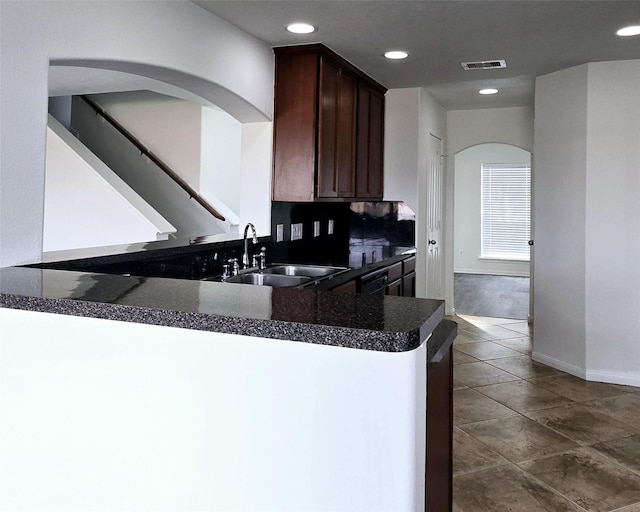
{"x": 506, "y": 211}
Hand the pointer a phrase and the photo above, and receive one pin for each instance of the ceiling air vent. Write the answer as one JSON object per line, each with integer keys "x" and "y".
{"x": 485, "y": 64}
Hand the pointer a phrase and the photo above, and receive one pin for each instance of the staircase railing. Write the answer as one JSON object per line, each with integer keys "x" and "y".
{"x": 149, "y": 154}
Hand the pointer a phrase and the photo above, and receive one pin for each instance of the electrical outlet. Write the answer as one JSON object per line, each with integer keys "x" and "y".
{"x": 330, "y": 228}
{"x": 279, "y": 233}
{"x": 296, "y": 231}
{"x": 316, "y": 228}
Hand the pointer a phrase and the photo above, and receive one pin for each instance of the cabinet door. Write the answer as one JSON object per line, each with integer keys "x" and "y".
{"x": 409, "y": 285}
{"x": 294, "y": 127}
{"x": 409, "y": 265}
{"x": 369, "y": 170}
{"x": 348, "y": 288}
{"x": 394, "y": 271}
{"x": 395, "y": 288}
{"x": 336, "y": 131}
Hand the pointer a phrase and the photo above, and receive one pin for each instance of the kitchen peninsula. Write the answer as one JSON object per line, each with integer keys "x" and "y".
{"x": 174, "y": 394}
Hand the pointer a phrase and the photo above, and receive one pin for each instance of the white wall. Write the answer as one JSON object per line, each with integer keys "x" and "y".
{"x": 86, "y": 205}
{"x": 169, "y": 127}
{"x": 612, "y": 236}
{"x": 200, "y": 143}
{"x": 467, "y": 128}
{"x": 176, "y": 42}
{"x": 189, "y": 217}
{"x": 206, "y": 147}
{"x": 411, "y": 116}
{"x": 256, "y": 175}
{"x": 113, "y": 416}
{"x": 221, "y": 143}
{"x": 467, "y": 209}
{"x": 559, "y": 213}
{"x": 401, "y": 145}
{"x": 587, "y": 217}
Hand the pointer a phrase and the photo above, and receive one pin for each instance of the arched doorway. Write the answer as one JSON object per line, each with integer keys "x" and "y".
{"x": 488, "y": 281}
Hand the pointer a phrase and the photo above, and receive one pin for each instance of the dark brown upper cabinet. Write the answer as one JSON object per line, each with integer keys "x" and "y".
{"x": 328, "y": 128}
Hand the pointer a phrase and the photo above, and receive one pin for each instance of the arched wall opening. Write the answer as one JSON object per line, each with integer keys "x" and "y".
{"x": 91, "y": 76}
{"x": 196, "y": 138}
{"x": 484, "y": 286}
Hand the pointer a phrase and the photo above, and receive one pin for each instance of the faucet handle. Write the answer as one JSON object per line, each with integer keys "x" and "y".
{"x": 235, "y": 267}
{"x": 225, "y": 272}
{"x": 262, "y": 258}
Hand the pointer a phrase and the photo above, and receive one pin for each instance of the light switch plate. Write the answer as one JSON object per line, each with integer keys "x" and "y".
{"x": 296, "y": 231}
{"x": 330, "y": 228}
{"x": 279, "y": 233}
{"x": 316, "y": 228}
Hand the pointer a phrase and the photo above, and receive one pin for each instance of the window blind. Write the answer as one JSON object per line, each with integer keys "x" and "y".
{"x": 506, "y": 211}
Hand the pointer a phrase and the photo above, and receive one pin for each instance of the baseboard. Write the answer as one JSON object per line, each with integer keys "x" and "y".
{"x": 559, "y": 365}
{"x": 489, "y": 273}
{"x": 624, "y": 378}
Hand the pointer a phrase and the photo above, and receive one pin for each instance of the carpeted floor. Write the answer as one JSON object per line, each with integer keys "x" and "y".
{"x": 493, "y": 296}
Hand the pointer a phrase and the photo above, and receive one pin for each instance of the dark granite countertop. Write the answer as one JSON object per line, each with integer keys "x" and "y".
{"x": 390, "y": 324}
{"x": 354, "y": 272}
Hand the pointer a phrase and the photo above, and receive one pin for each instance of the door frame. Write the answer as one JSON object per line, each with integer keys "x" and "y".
{"x": 449, "y": 228}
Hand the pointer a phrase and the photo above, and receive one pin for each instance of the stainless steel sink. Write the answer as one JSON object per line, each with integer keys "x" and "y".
{"x": 313, "y": 271}
{"x": 285, "y": 275}
{"x": 275, "y": 280}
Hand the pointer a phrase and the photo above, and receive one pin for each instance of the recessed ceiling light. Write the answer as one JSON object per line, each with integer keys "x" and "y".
{"x": 301, "y": 28}
{"x": 488, "y": 91}
{"x": 396, "y": 55}
{"x": 632, "y": 30}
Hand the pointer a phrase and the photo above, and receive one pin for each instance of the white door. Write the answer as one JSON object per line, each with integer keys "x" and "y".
{"x": 435, "y": 214}
{"x": 531, "y": 241}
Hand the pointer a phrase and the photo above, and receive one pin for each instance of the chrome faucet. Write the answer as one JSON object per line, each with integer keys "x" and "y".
{"x": 245, "y": 256}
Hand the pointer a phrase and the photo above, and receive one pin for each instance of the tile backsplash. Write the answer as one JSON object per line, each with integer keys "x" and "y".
{"x": 314, "y": 218}
{"x": 344, "y": 234}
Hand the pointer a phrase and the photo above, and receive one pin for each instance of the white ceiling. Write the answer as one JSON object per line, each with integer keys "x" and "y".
{"x": 534, "y": 37}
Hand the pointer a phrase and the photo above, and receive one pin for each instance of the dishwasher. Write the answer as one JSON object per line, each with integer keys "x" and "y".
{"x": 374, "y": 283}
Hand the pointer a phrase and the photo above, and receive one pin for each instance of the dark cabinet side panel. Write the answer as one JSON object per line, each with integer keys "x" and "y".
{"x": 439, "y": 463}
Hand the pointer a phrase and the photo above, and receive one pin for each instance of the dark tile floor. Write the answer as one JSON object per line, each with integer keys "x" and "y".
{"x": 495, "y": 296}
{"x": 528, "y": 438}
